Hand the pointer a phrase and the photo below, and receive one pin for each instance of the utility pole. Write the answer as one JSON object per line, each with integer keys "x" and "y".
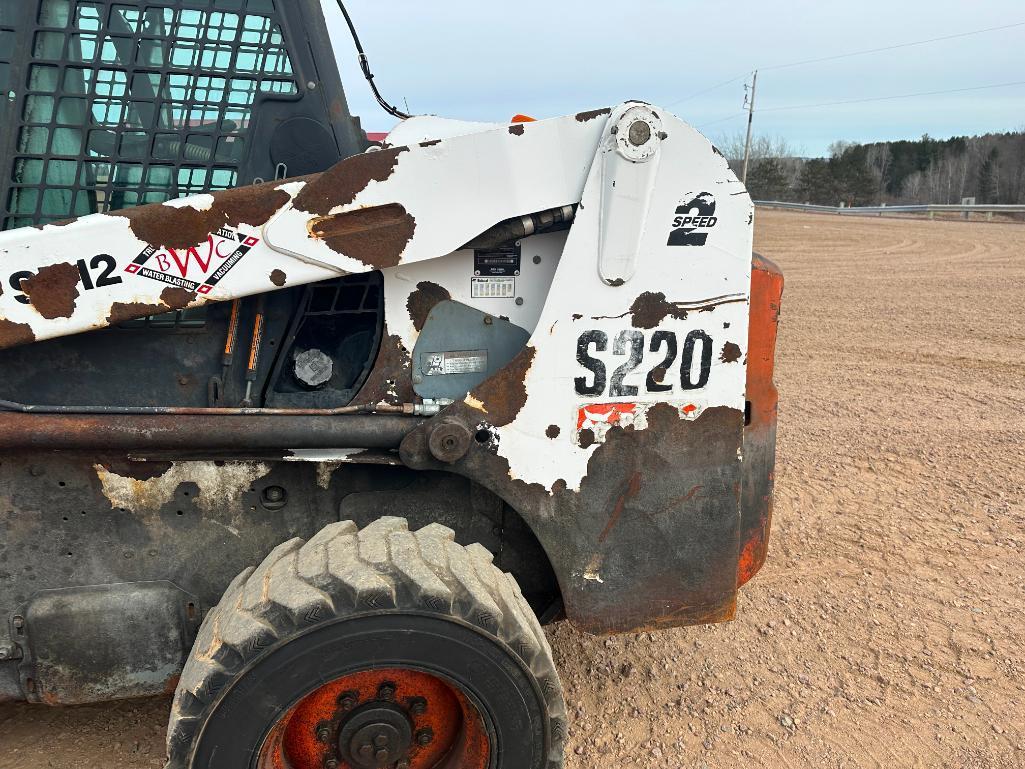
{"x": 750, "y": 120}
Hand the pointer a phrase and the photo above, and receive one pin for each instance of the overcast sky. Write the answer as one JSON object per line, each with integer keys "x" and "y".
{"x": 489, "y": 60}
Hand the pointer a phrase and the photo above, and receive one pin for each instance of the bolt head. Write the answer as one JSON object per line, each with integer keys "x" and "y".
{"x": 331, "y": 763}
{"x": 323, "y": 734}
{"x": 386, "y": 691}
{"x": 640, "y": 133}
{"x": 348, "y": 700}
{"x": 403, "y": 764}
{"x": 418, "y": 706}
{"x": 424, "y": 737}
{"x": 382, "y": 756}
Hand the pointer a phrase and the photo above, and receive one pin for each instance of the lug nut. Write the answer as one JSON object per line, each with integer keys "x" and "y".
{"x": 424, "y": 737}
{"x": 331, "y": 763}
{"x": 323, "y": 733}
{"x": 403, "y": 764}
{"x": 386, "y": 691}
{"x": 418, "y": 706}
{"x": 348, "y": 700}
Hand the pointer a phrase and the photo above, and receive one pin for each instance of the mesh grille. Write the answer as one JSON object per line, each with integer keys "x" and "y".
{"x": 125, "y": 104}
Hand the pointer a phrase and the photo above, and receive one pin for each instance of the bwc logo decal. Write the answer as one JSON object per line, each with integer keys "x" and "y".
{"x": 693, "y": 221}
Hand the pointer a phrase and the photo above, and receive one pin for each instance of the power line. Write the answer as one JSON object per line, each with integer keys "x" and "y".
{"x": 723, "y": 119}
{"x": 894, "y": 47}
{"x": 865, "y": 52}
{"x": 890, "y": 98}
{"x": 707, "y": 90}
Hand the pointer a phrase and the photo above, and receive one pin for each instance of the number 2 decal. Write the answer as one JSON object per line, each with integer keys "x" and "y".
{"x": 697, "y": 349}
{"x": 98, "y": 272}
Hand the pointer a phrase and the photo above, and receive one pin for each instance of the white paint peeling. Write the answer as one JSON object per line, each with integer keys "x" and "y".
{"x": 199, "y": 202}
{"x": 220, "y": 486}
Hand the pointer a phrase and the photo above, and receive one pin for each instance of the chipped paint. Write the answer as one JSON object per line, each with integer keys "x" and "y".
{"x": 422, "y": 301}
{"x": 503, "y": 395}
{"x": 375, "y": 236}
{"x": 583, "y": 117}
{"x": 278, "y": 277}
{"x": 53, "y": 290}
{"x": 189, "y": 221}
{"x": 339, "y": 186}
{"x": 730, "y": 353}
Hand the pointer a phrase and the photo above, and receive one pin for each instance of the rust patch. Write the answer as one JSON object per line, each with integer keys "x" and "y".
{"x": 664, "y": 498}
{"x": 53, "y": 290}
{"x": 125, "y": 311}
{"x": 730, "y": 353}
{"x": 553, "y": 431}
{"x": 177, "y": 298}
{"x": 389, "y": 380}
{"x": 633, "y": 486}
{"x": 585, "y": 438}
{"x": 422, "y": 301}
{"x": 340, "y": 184}
{"x": 430, "y": 143}
{"x": 504, "y": 394}
{"x": 517, "y": 129}
{"x": 278, "y": 278}
{"x": 12, "y": 334}
{"x": 583, "y": 117}
{"x": 375, "y": 236}
{"x": 171, "y": 227}
{"x": 649, "y": 309}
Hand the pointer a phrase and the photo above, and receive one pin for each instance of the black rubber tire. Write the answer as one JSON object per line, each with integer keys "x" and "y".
{"x": 311, "y": 611}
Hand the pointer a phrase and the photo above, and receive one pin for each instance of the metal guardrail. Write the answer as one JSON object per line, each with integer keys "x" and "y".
{"x": 930, "y": 208}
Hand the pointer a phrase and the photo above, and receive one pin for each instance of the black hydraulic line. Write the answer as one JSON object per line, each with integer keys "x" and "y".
{"x": 365, "y": 66}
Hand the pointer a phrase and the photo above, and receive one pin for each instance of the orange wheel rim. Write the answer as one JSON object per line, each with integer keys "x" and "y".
{"x": 391, "y": 718}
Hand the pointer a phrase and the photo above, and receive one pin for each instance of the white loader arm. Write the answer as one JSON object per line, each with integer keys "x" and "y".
{"x": 378, "y": 210}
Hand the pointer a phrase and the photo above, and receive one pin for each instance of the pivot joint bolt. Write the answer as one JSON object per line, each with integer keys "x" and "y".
{"x": 640, "y": 133}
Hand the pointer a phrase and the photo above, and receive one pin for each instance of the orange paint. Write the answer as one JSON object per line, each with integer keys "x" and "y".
{"x": 459, "y": 734}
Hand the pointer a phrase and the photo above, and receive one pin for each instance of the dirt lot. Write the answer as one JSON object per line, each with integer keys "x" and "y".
{"x": 887, "y": 628}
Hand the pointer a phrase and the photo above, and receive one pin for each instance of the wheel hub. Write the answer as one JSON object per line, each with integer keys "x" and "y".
{"x": 394, "y": 718}
{"x": 375, "y": 736}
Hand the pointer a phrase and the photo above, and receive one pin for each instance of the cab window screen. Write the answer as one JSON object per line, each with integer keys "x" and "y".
{"x": 127, "y": 103}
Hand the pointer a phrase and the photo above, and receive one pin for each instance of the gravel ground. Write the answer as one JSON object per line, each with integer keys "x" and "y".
{"x": 886, "y": 629}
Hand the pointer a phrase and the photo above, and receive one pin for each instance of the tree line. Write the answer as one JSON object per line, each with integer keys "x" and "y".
{"x": 989, "y": 168}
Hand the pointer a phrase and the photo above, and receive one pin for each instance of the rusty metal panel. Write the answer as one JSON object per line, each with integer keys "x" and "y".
{"x": 107, "y": 642}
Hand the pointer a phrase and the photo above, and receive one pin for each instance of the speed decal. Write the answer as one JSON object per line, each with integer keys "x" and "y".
{"x": 664, "y": 347}
{"x": 197, "y": 269}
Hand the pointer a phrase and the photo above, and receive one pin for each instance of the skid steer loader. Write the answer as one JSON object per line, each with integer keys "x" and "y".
{"x": 317, "y": 433}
